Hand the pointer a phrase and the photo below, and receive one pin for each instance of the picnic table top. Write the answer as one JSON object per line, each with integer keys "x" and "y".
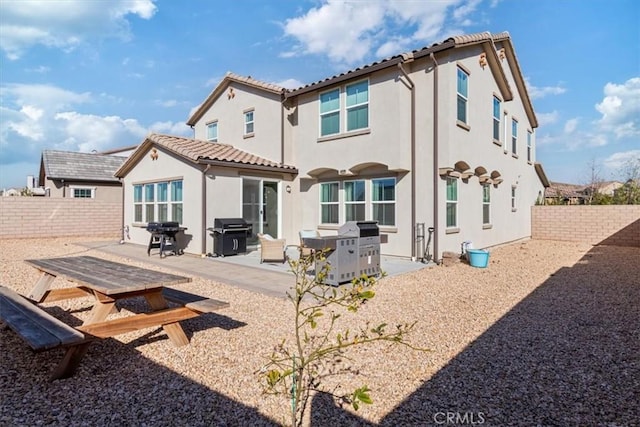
{"x": 106, "y": 277}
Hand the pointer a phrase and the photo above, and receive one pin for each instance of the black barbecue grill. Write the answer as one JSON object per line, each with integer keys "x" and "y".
{"x": 353, "y": 252}
{"x": 163, "y": 237}
{"x": 230, "y": 236}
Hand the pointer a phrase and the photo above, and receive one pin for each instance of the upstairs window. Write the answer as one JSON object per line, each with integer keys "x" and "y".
{"x": 330, "y": 113}
{"x": 329, "y": 203}
{"x": 354, "y": 201}
{"x": 358, "y": 106}
{"x": 529, "y": 152}
{"x": 486, "y": 204}
{"x": 462, "y": 89}
{"x": 496, "y": 119}
{"x": 248, "y": 123}
{"x": 212, "y": 132}
{"x": 383, "y": 201}
{"x": 514, "y": 136}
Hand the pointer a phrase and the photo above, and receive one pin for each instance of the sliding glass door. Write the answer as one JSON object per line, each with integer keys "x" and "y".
{"x": 260, "y": 207}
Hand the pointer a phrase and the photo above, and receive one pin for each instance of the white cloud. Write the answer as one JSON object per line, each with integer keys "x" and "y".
{"x": 571, "y": 125}
{"x": 290, "y": 83}
{"x": 347, "y": 31}
{"x": 620, "y": 109}
{"x": 617, "y": 161}
{"x": 545, "y": 119}
{"x": 65, "y": 24}
{"x": 172, "y": 128}
{"x": 541, "y": 92}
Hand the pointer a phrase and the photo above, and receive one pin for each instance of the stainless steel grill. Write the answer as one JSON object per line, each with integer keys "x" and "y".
{"x": 353, "y": 252}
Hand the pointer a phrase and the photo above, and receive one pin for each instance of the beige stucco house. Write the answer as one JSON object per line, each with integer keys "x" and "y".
{"x": 442, "y": 136}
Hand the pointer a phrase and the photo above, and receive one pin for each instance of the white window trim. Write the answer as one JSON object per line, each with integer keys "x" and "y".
{"x": 378, "y": 202}
{"x": 466, "y": 98}
{"x": 252, "y": 122}
{"x": 82, "y": 187}
{"x": 455, "y": 202}
{"x": 321, "y": 203}
{"x": 342, "y": 111}
{"x": 169, "y": 202}
{"x": 497, "y": 119}
{"x": 215, "y": 122}
{"x": 487, "y": 203}
{"x": 514, "y": 136}
{"x": 514, "y": 194}
{"x": 529, "y": 146}
{"x": 347, "y": 203}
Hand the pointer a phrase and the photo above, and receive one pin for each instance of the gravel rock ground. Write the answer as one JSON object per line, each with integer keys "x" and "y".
{"x": 548, "y": 334}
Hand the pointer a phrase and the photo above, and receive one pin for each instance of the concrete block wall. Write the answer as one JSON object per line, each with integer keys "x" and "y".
{"x": 617, "y": 225}
{"x": 28, "y": 217}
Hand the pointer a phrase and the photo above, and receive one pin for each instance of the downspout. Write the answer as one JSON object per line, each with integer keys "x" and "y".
{"x": 204, "y": 210}
{"x": 282, "y": 108}
{"x": 436, "y": 249}
{"x": 407, "y": 58}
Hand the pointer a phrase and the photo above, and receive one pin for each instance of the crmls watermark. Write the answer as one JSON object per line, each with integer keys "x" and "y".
{"x": 459, "y": 418}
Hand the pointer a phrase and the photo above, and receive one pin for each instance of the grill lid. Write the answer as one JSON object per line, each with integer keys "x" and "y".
{"x": 229, "y": 223}
{"x": 163, "y": 226}
{"x": 360, "y": 229}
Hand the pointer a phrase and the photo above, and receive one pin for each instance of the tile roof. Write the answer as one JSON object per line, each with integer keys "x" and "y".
{"x": 76, "y": 166}
{"x": 205, "y": 152}
{"x": 559, "y": 189}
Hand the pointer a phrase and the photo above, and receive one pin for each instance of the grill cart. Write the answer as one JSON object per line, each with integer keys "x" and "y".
{"x": 163, "y": 237}
{"x": 230, "y": 236}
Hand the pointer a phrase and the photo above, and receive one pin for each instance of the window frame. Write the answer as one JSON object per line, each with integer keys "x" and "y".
{"x": 529, "y": 146}
{"x": 496, "y": 120}
{"x": 357, "y": 106}
{"x": 329, "y": 113}
{"x": 330, "y": 203}
{"x": 249, "y": 122}
{"x": 451, "y": 202}
{"x": 92, "y": 191}
{"x": 212, "y": 125}
{"x": 514, "y": 194}
{"x": 460, "y": 97}
{"x": 351, "y": 203}
{"x": 390, "y": 202}
{"x": 514, "y": 136}
{"x": 486, "y": 204}
{"x": 148, "y": 202}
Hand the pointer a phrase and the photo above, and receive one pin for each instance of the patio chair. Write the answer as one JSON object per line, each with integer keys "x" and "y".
{"x": 304, "y": 250}
{"x": 271, "y": 249}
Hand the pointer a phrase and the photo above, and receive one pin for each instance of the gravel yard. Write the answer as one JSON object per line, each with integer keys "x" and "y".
{"x": 548, "y": 334}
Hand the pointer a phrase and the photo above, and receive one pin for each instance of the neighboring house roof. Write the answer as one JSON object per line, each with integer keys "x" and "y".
{"x": 203, "y": 152}
{"x": 222, "y": 86}
{"x": 563, "y": 190}
{"x": 493, "y": 59}
{"x": 119, "y": 150}
{"x": 73, "y": 166}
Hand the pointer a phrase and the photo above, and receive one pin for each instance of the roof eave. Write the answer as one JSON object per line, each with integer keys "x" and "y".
{"x": 235, "y": 165}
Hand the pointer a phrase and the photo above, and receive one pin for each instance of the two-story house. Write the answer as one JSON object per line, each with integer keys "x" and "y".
{"x": 443, "y": 136}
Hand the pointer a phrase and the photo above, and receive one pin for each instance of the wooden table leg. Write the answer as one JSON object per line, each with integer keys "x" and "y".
{"x": 42, "y": 286}
{"x": 174, "y": 330}
{"x": 101, "y": 309}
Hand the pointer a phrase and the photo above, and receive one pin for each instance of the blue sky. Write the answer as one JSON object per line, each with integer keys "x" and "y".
{"x": 83, "y": 75}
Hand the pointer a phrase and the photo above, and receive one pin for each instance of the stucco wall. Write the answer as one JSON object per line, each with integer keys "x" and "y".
{"x": 611, "y": 225}
{"x": 26, "y": 217}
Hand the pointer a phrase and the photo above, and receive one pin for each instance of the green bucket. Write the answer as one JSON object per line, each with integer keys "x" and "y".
{"x": 478, "y": 257}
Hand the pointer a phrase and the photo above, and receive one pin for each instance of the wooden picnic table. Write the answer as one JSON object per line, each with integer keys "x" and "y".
{"x": 108, "y": 282}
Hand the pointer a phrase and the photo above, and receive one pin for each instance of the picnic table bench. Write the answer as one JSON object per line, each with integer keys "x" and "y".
{"x": 42, "y": 331}
{"x": 107, "y": 282}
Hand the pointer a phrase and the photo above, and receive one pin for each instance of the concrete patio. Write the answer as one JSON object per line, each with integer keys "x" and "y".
{"x": 244, "y": 271}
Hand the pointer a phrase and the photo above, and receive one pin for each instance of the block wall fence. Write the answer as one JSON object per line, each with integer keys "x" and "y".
{"x": 28, "y": 217}
{"x": 617, "y": 225}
